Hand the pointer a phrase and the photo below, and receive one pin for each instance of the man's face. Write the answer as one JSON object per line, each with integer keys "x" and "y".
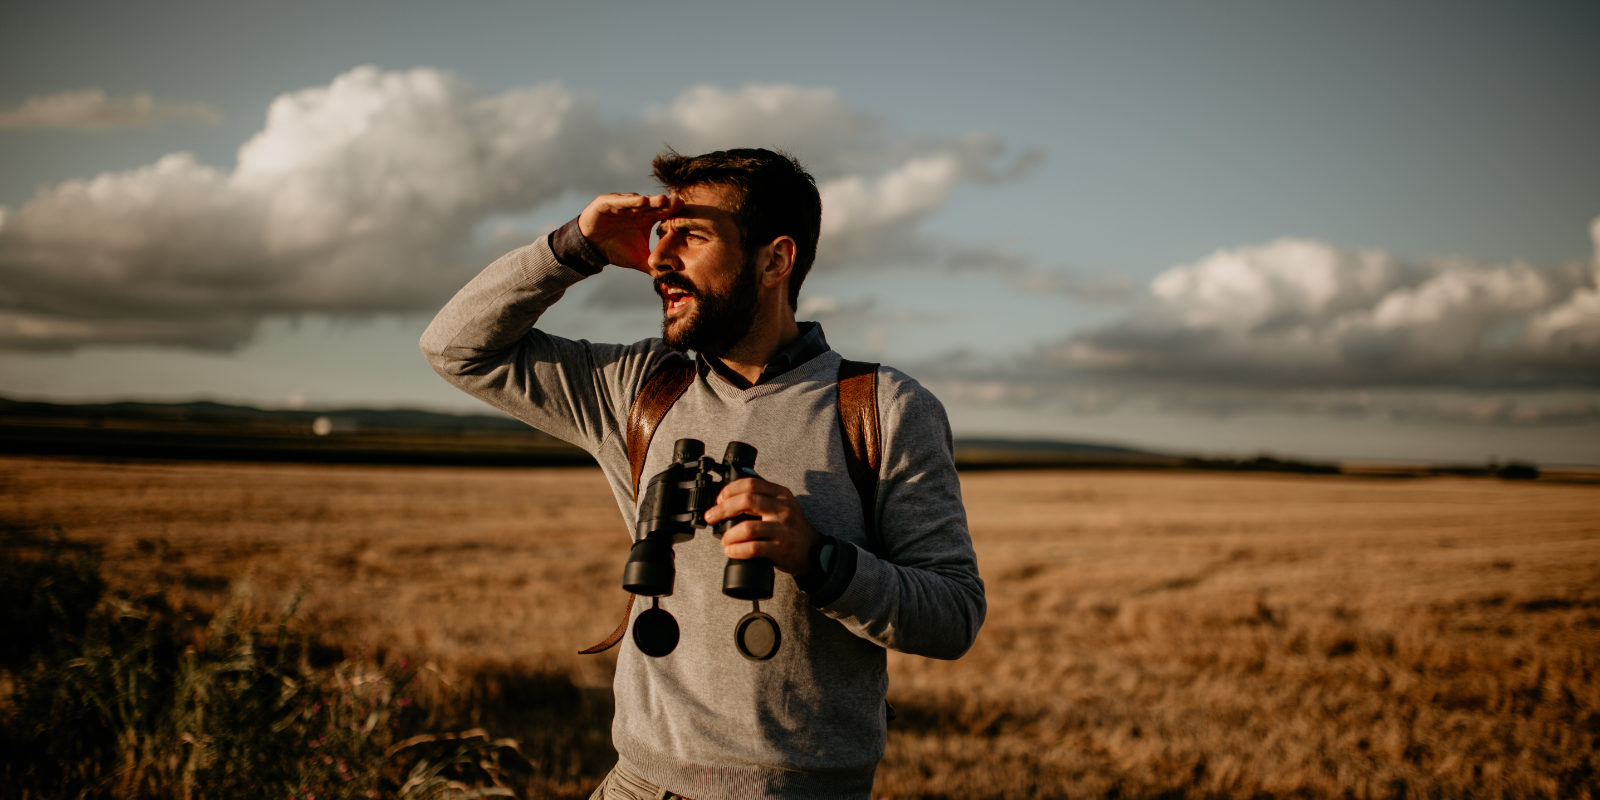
{"x": 706, "y": 283}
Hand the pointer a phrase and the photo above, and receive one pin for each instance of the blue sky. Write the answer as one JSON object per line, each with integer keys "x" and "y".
{"x": 1333, "y": 230}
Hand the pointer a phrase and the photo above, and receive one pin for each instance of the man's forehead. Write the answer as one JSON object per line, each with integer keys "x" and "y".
{"x": 702, "y": 206}
{"x": 706, "y": 194}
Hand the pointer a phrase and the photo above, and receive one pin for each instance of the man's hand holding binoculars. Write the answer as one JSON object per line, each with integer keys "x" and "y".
{"x": 780, "y": 533}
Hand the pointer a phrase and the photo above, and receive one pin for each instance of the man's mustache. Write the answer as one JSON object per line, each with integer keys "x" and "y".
{"x": 673, "y": 280}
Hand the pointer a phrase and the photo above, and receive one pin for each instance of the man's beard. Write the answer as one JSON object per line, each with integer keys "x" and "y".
{"x": 719, "y": 320}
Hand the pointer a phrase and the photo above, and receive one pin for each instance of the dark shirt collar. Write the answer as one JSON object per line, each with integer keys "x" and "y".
{"x": 808, "y": 345}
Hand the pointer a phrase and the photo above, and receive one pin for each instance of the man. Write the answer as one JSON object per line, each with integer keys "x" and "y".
{"x": 737, "y": 233}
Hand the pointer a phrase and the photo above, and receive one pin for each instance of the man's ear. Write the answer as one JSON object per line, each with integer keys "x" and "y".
{"x": 776, "y": 261}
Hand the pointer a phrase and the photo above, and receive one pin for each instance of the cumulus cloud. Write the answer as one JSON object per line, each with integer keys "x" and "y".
{"x": 93, "y": 109}
{"x": 1304, "y": 328}
{"x": 1297, "y": 312}
{"x": 365, "y": 196}
{"x": 872, "y": 218}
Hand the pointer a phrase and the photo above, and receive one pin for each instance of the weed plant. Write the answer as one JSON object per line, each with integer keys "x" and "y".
{"x": 111, "y": 697}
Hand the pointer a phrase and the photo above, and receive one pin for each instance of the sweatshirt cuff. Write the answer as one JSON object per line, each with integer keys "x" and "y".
{"x": 823, "y": 590}
{"x": 574, "y": 251}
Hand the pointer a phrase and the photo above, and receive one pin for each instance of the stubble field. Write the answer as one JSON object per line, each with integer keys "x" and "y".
{"x": 1149, "y": 634}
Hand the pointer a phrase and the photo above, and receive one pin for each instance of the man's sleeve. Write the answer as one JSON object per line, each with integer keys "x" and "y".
{"x": 924, "y": 596}
{"x": 483, "y": 341}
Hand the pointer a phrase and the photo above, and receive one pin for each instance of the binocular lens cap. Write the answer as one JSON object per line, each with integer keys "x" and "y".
{"x": 655, "y": 632}
{"x": 757, "y": 636}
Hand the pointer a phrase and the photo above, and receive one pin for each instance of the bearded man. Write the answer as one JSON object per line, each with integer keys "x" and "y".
{"x": 860, "y": 571}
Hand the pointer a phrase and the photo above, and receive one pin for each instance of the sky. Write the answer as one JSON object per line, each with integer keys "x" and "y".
{"x": 1315, "y": 230}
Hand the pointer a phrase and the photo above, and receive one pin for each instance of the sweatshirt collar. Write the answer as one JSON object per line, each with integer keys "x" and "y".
{"x": 808, "y": 345}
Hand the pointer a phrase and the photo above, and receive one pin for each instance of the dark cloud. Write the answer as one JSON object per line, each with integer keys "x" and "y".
{"x": 93, "y": 110}
{"x": 1086, "y": 395}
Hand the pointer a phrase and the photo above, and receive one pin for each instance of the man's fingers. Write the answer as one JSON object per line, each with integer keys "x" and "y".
{"x": 775, "y": 529}
{"x": 625, "y": 210}
{"x": 748, "y": 496}
{"x": 642, "y": 204}
{"x": 751, "y": 539}
{"x": 748, "y": 549}
{"x": 745, "y": 532}
{"x": 669, "y": 203}
{"x": 773, "y": 541}
{"x": 753, "y": 486}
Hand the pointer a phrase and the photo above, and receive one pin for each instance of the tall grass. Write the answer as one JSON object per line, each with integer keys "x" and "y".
{"x": 117, "y": 697}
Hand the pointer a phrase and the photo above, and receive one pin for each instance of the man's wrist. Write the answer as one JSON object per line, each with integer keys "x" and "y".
{"x": 823, "y": 579}
{"x": 824, "y": 587}
{"x": 819, "y": 561}
{"x": 572, "y": 249}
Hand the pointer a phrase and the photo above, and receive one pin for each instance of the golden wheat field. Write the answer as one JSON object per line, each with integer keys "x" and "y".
{"x": 1150, "y": 633}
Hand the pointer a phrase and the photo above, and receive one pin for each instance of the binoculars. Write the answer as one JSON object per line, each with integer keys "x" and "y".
{"x": 675, "y": 502}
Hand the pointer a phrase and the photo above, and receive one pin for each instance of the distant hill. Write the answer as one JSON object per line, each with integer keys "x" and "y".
{"x": 204, "y": 429}
{"x": 980, "y": 453}
{"x": 220, "y": 413}
{"x": 218, "y": 431}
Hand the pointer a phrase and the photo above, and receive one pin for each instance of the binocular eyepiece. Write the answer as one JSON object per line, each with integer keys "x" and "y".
{"x": 675, "y": 503}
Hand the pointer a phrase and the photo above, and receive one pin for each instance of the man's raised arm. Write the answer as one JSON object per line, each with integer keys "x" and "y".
{"x": 483, "y": 341}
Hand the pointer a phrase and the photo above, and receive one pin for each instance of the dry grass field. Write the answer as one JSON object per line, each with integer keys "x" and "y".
{"x": 1150, "y": 634}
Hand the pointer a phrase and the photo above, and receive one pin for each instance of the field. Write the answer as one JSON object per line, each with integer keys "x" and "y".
{"x": 1168, "y": 634}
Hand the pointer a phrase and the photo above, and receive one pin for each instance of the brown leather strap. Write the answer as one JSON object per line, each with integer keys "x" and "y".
{"x": 858, "y": 422}
{"x": 650, "y": 405}
{"x": 616, "y": 635}
{"x": 655, "y": 398}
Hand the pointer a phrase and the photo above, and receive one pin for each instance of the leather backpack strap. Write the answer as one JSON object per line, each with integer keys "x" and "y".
{"x": 858, "y": 421}
{"x": 616, "y": 635}
{"x": 650, "y": 405}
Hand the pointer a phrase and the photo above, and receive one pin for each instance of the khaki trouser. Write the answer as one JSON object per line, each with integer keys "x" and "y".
{"x": 624, "y": 784}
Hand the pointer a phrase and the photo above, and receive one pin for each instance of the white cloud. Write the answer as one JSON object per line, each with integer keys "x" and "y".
{"x": 1298, "y": 312}
{"x": 365, "y": 196}
{"x": 872, "y": 218}
{"x": 809, "y": 121}
{"x": 1574, "y": 324}
{"x": 1303, "y": 328}
{"x": 93, "y": 109}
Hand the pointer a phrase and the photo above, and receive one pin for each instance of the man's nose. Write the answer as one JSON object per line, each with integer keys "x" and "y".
{"x": 664, "y": 257}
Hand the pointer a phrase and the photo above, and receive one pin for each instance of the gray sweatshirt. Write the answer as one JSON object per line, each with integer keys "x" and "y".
{"x": 703, "y": 721}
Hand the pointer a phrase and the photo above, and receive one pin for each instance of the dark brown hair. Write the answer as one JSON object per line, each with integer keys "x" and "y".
{"x": 772, "y": 194}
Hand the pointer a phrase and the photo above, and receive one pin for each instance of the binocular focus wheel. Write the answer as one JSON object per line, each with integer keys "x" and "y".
{"x": 757, "y": 636}
{"x": 655, "y": 632}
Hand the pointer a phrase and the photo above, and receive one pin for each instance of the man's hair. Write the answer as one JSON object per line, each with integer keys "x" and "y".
{"x": 772, "y": 195}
